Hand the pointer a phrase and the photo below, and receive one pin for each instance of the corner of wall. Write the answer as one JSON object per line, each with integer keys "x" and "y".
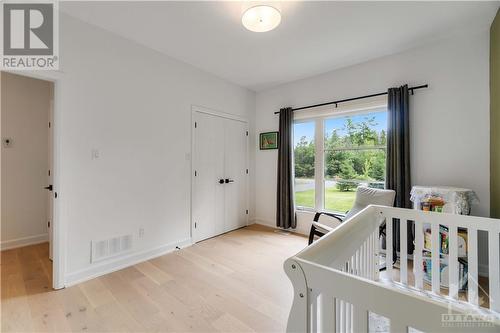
{"x": 495, "y": 117}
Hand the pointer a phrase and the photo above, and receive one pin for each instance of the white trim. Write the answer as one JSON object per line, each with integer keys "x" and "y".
{"x": 319, "y": 164}
{"x": 122, "y": 262}
{"x": 24, "y": 241}
{"x": 271, "y": 224}
{"x": 319, "y": 117}
{"x": 58, "y": 225}
{"x": 218, "y": 113}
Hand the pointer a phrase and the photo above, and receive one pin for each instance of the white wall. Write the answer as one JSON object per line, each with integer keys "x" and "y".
{"x": 133, "y": 105}
{"x": 449, "y": 120}
{"x": 25, "y": 163}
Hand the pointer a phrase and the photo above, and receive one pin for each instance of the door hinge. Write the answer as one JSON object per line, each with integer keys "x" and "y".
{"x": 195, "y": 225}
{"x": 49, "y": 172}
{"x": 48, "y": 224}
{"x": 49, "y": 124}
{"x": 247, "y": 171}
{"x": 247, "y": 212}
{"x": 195, "y": 173}
{"x": 247, "y": 133}
{"x": 195, "y": 124}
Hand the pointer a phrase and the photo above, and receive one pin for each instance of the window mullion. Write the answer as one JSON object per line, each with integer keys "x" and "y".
{"x": 319, "y": 166}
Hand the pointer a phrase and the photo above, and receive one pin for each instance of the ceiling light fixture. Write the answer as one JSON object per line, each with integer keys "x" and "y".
{"x": 261, "y": 18}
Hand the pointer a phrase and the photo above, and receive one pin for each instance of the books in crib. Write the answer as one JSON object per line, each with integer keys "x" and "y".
{"x": 444, "y": 257}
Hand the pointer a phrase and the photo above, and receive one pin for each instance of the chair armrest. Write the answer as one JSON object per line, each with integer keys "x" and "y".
{"x": 337, "y": 216}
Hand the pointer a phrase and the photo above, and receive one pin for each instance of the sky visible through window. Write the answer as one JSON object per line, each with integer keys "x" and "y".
{"x": 307, "y": 129}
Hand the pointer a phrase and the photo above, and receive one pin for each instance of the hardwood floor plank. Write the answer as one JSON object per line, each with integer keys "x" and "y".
{"x": 152, "y": 272}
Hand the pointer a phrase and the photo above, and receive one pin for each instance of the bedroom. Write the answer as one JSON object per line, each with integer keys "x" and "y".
{"x": 157, "y": 111}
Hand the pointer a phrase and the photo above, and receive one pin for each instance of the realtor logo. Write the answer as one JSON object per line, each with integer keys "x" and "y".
{"x": 29, "y": 35}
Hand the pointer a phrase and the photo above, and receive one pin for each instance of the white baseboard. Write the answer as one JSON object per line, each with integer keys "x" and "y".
{"x": 116, "y": 264}
{"x": 272, "y": 224}
{"x": 264, "y": 222}
{"x": 24, "y": 241}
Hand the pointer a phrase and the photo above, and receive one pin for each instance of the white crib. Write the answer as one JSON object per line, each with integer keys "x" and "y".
{"x": 337, "y": 282}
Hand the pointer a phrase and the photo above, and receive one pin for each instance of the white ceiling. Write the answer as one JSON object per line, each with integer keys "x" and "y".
{"x": 313, "y": 38}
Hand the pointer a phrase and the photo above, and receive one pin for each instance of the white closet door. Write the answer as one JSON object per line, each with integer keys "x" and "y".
{"x": 235, "y": 165}
{"x": 208, "y": 193}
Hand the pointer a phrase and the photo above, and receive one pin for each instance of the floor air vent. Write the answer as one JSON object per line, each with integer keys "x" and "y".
{"x": 111, "y": 247}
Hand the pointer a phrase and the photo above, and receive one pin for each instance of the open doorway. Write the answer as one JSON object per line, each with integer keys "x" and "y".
{"x": 27, "y": 108}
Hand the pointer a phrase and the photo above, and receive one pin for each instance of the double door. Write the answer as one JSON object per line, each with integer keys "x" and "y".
{"x": 220, "y": 175}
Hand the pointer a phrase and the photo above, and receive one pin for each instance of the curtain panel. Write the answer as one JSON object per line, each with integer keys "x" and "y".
{"x": 285, "y": 208}
{"x": 398, "y": 156}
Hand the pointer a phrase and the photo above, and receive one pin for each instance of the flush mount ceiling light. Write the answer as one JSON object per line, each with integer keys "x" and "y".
{"x": 261, "y": 18}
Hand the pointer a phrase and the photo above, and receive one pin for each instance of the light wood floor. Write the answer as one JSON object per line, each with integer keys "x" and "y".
{"x": 231, "y": 283}
{"x": 462, "y": 294}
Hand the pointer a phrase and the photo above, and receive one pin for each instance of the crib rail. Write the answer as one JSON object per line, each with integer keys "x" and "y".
{"x": 337, "y": 281}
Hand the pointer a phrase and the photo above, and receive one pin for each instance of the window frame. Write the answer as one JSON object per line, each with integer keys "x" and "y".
{"x": 319, "y": 154}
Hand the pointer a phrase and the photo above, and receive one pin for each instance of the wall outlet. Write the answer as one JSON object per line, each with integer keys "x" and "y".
{"x": 141, "y": 232}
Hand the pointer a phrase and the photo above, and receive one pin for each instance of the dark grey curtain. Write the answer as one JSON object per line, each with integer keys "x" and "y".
{"x": 398, "y": 154}
{"x": 285, "y": 210}
{"x": 398, "y": 145}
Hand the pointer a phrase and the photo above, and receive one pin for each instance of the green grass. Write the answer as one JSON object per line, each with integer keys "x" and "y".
{"x": 334, "y": 199}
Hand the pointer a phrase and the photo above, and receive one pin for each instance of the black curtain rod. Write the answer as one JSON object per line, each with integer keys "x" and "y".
{"x": 352, "y": 99}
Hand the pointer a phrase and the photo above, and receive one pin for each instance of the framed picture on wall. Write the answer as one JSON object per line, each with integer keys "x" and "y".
{"x": 268, "y": 140}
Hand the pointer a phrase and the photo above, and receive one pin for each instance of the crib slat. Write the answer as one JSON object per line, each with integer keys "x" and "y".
{"x": 388, "y": 247}
{"x": 365, "y": 261}
{"x": 403, "y": 252}
{"x": 435, "y": 247}
{"x": 343, "y": 327}
{"x": 453, "y": 260}
{"x": 342, "y": 323}
{"x": 356, "y": 266}
{"x": 313, "y": 298}
{"x": 472, "y": 265}
{"x": 327, "y": 315}
{"x": 362, "y": 267}
{"x": 360, "y": 320}
{"x": 348, "y": 317}
{"x": 374, "y": 254}
{"x": 355, "y": 271}
{"x": 494, "y": 270}
{"x": 377, "y": 253}
{"x": 417, "y": 259}
{"x": 370, "y": 258}
{"x": 338, "y": 315}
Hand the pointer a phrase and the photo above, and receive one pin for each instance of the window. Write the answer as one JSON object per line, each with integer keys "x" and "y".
{"x": 352, "y": 151}
{"x": 304, "y": 157}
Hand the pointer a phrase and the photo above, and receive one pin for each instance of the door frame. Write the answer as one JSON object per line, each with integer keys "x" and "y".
{"x": 202, "y": 109}
{"x": 57, "y": 224}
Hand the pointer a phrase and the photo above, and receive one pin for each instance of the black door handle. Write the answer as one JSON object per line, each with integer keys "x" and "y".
{"x": 48, "y": 187}
{"x": 229, "y": 181}
{"x": 221, "y": 181}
